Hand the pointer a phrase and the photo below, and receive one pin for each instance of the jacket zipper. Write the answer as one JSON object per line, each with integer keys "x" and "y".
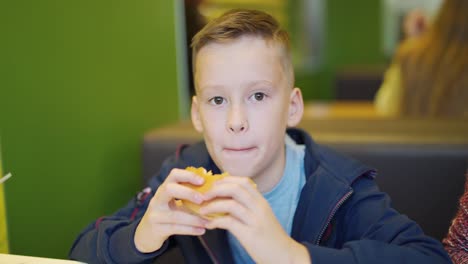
{"x": 208, "y": 250}
{"x": 332, "y": 214}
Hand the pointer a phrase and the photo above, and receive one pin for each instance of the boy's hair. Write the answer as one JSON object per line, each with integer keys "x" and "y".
{"x": 244, "y": 22}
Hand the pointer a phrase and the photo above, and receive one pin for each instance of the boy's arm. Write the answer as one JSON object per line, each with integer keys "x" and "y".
{"x": 376, "y": 233}
{"x": 110, "y": 239}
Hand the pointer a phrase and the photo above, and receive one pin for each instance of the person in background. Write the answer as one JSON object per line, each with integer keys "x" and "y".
{"x": 456, "y": 242}
{"x": 414, "y": 24}
{"x": 428, "y": 76}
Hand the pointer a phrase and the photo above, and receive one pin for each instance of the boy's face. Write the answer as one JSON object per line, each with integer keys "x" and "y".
{"x": 243, "y": 106}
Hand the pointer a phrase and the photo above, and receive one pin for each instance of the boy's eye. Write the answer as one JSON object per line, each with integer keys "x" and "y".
{"x": 259, "y": 96}
{"x": 217, "y": 100}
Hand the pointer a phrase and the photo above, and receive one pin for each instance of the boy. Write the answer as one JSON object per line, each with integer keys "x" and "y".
{"x": 309, "y": 204}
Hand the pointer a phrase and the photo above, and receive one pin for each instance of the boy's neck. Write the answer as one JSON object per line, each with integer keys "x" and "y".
{"x": 272, "y": 175}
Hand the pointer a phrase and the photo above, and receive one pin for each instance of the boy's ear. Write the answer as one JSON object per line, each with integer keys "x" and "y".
{"x": 296, "y": 107}
{"x": 196, "y": 121}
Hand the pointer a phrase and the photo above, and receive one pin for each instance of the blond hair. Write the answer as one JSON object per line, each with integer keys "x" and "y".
{"x": 237, "y": 23}
{"x": 434, "y": 67}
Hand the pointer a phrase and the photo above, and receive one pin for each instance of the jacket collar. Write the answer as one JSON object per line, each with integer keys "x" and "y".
{"x": 329, "y": 177}
{"x": 217, "y": 243}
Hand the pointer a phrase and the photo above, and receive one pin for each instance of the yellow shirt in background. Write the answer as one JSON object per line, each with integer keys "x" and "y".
{"x": 387, "y": 101}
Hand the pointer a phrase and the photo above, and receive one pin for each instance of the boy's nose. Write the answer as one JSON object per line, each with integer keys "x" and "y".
{"x": 237, "y": 128}
{"x": 237, "y": 121}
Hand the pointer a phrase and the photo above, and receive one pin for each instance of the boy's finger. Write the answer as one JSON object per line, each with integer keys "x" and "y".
{"x": 178, "y": 191}
{"x": 182, "y": 218}
{"x": 228, "y": 206}
{"x": 177, "y": 229}
{"x": 245, "y": 182}
{"x": 228, "y": 223}
{"x": 179, "y": 175}
{"x": 234, "y": 191}
{"x": 173, "y": 190}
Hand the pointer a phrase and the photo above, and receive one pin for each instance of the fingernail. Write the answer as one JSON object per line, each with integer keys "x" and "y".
{"x": 202, "y": 210}
{"x": 209, "y": 225}
{"x": 200, "y": 180}
{"x": 198, "y": 198}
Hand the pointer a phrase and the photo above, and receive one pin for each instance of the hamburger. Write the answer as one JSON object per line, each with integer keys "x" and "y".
{"x": 210, "y": 179}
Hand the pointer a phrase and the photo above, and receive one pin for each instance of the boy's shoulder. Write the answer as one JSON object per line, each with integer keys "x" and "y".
{"x": 323, "y": 158}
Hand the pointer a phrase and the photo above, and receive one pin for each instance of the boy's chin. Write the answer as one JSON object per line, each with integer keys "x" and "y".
{"x": 239, "y": 170}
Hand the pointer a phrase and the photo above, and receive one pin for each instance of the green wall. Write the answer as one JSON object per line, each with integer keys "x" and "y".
{"x": 353, "y": 38}
{"x": 80, "y": 82}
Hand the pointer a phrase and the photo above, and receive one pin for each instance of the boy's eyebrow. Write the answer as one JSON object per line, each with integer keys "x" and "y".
{"x": 210, "y": 87}
{"x": 247, "y": 84}
{"x": 253, "y": 83}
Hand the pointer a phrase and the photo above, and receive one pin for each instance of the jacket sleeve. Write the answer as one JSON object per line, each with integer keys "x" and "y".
{"x": 110, "y": 239}
{"x": 373, "y": 232}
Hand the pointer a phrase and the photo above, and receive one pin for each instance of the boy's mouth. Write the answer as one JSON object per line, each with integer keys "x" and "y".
{"x": 239, "y": 150}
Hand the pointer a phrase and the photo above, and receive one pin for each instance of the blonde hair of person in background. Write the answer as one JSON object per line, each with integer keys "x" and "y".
{"x": 429, "y": 73}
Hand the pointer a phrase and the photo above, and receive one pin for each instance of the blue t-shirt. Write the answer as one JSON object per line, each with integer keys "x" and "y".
{"x": 283, "y": 198}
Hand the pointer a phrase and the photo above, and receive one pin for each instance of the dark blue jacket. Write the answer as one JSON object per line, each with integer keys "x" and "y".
{"x": 342, "y": 217}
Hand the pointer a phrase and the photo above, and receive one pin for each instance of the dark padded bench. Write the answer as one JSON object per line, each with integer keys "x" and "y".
{"x": 421, "y": 163}
{"x": 358, "y": 82}
{"x": 424, "y": 182}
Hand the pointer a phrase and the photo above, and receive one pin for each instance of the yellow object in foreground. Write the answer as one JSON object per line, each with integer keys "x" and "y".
{"x": 3, "y": 219}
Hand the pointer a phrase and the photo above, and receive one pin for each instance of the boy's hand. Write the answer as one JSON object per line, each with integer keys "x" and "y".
{"x": 251, "y": 220}
{"x": 163, "y": 218}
